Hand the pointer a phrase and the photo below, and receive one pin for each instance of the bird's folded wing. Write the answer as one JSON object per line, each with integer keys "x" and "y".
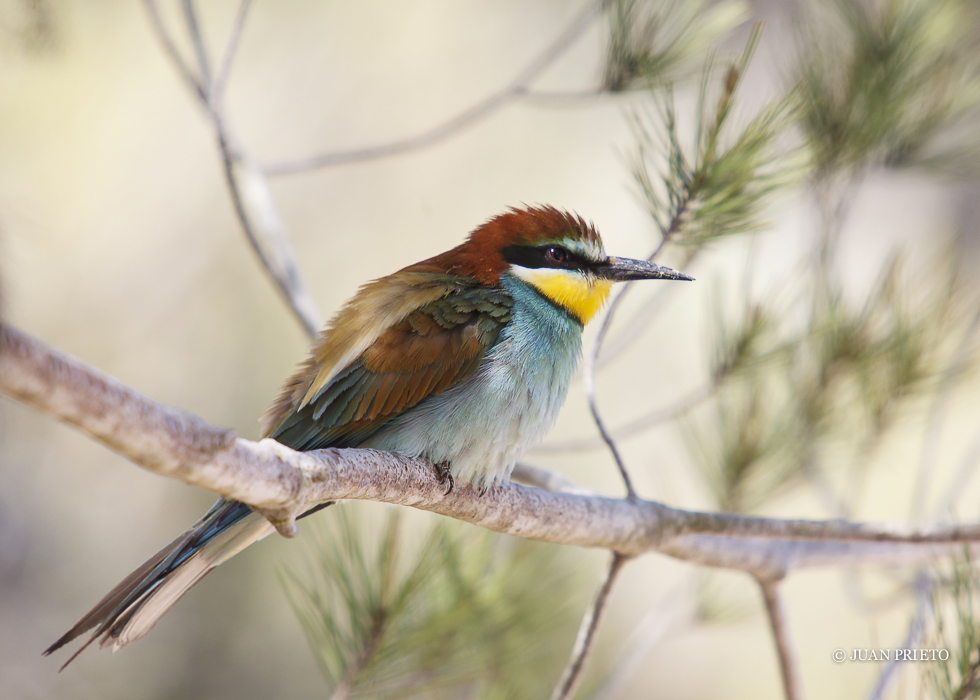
{"x": 435, "y": 343}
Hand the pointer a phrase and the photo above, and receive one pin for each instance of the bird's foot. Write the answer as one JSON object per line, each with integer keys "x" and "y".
{"x": 444, "y": 475}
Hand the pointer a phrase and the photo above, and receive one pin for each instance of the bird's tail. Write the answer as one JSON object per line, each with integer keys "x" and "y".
{"x": 131, "y": 609}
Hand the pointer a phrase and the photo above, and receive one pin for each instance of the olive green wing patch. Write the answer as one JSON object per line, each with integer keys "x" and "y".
{"x": 431, "y": 349}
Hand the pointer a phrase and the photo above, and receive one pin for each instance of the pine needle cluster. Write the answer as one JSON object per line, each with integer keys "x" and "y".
{"x": 459, "y": 614}
{"x": 954, "y": 627}
{"x": 717, "y": 186}
{"x": 882, "y": 81}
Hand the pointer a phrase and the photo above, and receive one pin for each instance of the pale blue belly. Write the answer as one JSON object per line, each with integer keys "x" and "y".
{"x": 483, "y": 425}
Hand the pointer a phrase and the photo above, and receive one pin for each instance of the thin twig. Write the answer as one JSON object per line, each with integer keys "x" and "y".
{"x": 221, "y": 77}
{"x": 641, "y": 320}
{"x": 656, "y": 624}
{"x": 280, "y": 261}
{"x": 249, "y": 188}
{"x": 638, "y": 426}
{"x": 478, "y": 112}
{"x": 585, "y": 640}
{"x": 156, "y": 21}
{"x": 200, "y": 50}
{"x": 539, "y": 478}
{"x": 924, "y": 586}
{"x": 792, "y": 683}
{"x": 588, "y": 381}
{"x": 588, "y": 370}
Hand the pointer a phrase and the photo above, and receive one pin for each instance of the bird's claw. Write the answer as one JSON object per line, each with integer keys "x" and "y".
{"x": 443, "y": 474}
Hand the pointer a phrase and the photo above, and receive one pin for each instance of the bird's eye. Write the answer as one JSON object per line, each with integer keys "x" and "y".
{"x": 556, "y": 254}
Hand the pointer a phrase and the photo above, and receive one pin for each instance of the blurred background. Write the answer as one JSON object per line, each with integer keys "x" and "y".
{"x": 119, "y": 245}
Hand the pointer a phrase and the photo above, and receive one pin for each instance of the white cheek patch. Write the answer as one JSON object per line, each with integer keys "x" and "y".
{"x": 542, "y": 275}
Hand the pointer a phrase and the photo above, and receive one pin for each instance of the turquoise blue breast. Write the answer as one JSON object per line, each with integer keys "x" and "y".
{"x": 483, "y": 425}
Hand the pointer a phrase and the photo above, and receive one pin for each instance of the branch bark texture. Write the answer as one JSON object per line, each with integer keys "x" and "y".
{"x": 281, "y": 483}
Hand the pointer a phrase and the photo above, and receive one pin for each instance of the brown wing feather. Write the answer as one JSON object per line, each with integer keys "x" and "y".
{"x": 375, "y": 308}
{"x": 432, "y": 347}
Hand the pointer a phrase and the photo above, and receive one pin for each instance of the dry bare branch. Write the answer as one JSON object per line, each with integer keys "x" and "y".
{"x": 518, "y": 87}
{"x": 156, "y": 21}
{"x": 924, "y": 586}
{"x": 788, "y": 665}
{"x": 224, "y": 70}
{"x": 281, "y": 483}
{"x": 674, "y": 612}
{"x": 591, "y": 357}
{"x": 247, "y": 184}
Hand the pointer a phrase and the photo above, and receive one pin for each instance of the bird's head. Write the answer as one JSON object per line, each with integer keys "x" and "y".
{"x": 557, "y": 253}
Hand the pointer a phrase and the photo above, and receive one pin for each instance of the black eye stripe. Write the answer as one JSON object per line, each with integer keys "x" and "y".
{"x": 539, "y": 256}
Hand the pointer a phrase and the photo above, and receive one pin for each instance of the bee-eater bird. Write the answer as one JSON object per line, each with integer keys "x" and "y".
{"x": 463, "y": 359}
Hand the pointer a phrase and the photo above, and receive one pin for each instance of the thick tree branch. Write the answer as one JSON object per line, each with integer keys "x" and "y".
{"x": 281, "y": 483}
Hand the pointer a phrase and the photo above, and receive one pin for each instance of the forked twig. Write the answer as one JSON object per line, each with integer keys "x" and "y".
{"x": 156, "y": 21}
{"x": 247, "y": 184}
{"x": 221, "y": 77}
{"x": 200, "y": 50}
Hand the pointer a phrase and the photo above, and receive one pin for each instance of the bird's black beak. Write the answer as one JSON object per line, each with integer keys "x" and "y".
{"x": 626, "y": 269}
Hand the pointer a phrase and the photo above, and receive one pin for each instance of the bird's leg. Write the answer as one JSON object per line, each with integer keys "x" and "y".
{"x": 444, "y": 474}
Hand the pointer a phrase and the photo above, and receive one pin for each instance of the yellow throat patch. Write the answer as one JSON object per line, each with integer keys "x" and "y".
{"x": 569, "y": 289}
